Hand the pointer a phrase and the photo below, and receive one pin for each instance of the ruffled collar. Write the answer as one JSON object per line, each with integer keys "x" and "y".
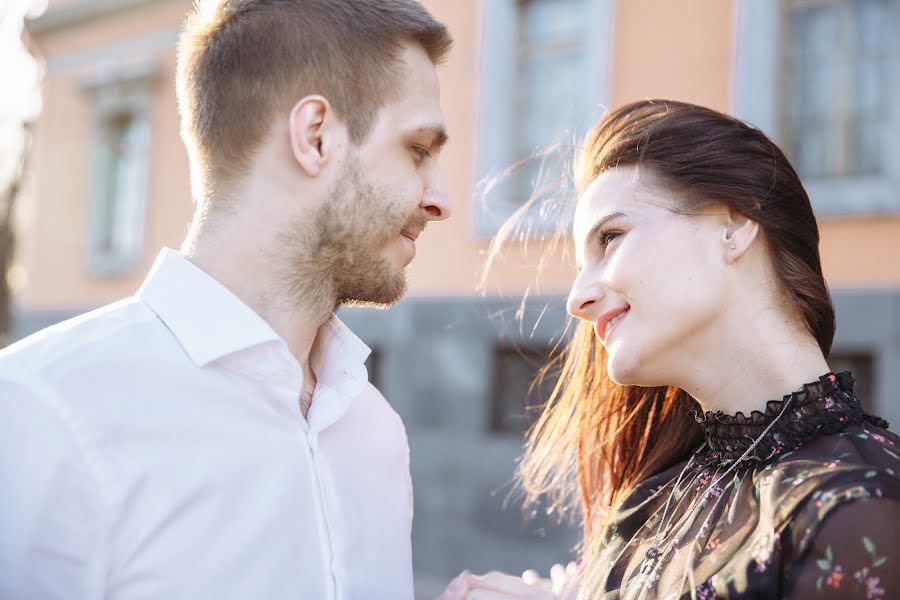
{"x": 822, "y": 407}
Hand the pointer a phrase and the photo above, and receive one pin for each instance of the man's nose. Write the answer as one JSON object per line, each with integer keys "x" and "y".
{"x": 436, "y": 198}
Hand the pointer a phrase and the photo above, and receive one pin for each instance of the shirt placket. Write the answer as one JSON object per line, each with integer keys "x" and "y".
{"x": 289, "y": 379}
{"x": 327, "y": 406}
{"x": 324, "y": 519}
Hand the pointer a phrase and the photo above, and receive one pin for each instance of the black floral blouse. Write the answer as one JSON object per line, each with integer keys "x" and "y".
{"x": 812, "y": 512}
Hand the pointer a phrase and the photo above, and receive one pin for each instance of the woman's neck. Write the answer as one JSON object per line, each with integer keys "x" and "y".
{"x": 758, "y": 361}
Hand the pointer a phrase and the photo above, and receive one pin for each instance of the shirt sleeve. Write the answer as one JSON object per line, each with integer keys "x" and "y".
{"x": 51, "y": 526}
{"x": 855, "y": 553}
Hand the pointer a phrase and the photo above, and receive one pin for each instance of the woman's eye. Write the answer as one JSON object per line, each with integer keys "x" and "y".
{"x": 608, "y": 236}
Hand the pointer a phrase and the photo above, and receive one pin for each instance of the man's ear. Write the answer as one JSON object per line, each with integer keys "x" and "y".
{"x": 307, "y": 129}
{"x": 738, "y": 234}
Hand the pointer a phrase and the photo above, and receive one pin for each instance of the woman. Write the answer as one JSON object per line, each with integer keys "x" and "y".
{"x": 697, "y": 424}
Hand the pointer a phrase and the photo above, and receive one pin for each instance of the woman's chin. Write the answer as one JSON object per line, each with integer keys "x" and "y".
{"x": 630, "y": 369}
{"x": 639, "y": 373}
{"x": 622, "y": 370}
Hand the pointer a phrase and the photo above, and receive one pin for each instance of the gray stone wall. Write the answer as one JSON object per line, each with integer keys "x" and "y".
{"x": 436, "y": 365}
{"x": 868, "y": 324}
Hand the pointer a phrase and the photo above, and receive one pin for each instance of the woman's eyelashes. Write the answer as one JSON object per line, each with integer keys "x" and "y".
{"x": 605, "y": 238}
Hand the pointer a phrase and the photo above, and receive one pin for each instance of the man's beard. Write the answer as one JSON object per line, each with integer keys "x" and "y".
{"x": 340, "y": 256}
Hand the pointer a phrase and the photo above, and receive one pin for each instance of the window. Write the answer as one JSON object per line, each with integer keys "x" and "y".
{"x": 818, "y": 76}
{"x": 860, "y": 365}
{"x": 515, "y": 401}
{"x": 373, "y": 367}
{"x": 119, "y": 217}
{"x": 543, "y": 77}
{"x": 551, "y": 58}
{"x": 836, "y": 84}
{"x": 121, "y": 169}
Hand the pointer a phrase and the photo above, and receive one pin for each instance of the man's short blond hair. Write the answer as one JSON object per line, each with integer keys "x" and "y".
{"x": 242, "y": 62}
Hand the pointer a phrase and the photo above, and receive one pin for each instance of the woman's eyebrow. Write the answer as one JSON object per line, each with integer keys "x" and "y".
{"x": 596, "y": 227}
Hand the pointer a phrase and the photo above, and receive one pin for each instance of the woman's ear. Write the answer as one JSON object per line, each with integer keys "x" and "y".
{"x": 738, "y": 234}
{"x": 307, "y": 130}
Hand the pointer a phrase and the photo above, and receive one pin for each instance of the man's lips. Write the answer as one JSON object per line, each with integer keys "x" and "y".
{"x": 600, "y": 326}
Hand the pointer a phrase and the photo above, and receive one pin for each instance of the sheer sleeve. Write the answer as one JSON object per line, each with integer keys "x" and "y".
{"x": 854, "y": 554}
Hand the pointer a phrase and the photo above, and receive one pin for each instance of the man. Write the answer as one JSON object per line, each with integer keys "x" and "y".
{"x": 215, "y": 436}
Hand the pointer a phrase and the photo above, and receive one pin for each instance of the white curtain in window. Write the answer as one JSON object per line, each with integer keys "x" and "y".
{"x": 127, "y": 197}
{"x": 836, "y": 81}
{"x": 117, "y": 229}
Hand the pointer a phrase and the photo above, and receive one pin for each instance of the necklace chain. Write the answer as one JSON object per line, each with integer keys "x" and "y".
{"x": 654, "y": 551}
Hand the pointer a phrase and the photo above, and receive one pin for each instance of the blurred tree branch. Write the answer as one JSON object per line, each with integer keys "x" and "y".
{"x": 19, "y": 108}
{"x": 8, "y": 238}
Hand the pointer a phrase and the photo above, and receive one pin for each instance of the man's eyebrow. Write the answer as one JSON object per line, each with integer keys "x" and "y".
{"x": 438, "y": 134}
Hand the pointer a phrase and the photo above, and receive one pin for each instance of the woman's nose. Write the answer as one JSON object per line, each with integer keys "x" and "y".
{"x": 584, "y": 302}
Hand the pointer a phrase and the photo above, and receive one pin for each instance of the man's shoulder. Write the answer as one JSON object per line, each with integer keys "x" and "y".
{"x": 374, "y": 407}
{"x": 377, "y": 401}
{"x": 94, "y": 336}
{"x": 374, "y": 394}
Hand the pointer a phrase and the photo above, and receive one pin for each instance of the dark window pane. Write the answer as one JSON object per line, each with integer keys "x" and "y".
{"x": 372, "y": 366}
{"x": 515, "y": 370}
{"x": 860, "y": 365}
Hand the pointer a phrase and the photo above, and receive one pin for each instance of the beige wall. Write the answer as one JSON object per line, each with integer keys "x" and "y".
{"x": 659, "y": 49}
{"x": 679, "y": 50}
{"x": 51, "y": 265}
{"x": 861, "y": 253}
{"x": 684, "y": 50}
{"x": 644, "y": 64}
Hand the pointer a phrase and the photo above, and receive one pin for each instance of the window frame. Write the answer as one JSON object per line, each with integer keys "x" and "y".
{"x": 131, "y": 93}
{"x": 499, "y": 93}
{"x": 758, "y": 55}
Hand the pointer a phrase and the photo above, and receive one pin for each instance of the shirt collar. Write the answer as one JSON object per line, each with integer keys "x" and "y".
{"x": 338, "y": 365}
{"x": 339, "y": 361}
{"x": 207, "y": 319}
{"x": 210, "y": 323}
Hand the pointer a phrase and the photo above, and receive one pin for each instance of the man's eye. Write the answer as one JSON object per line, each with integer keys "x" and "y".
{"x": 421, "y": 152}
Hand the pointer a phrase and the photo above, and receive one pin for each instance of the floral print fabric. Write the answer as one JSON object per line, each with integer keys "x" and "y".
{"x": 814, "y": 512}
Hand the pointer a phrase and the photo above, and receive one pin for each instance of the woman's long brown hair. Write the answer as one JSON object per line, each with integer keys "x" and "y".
{"x": 596, "y": 440}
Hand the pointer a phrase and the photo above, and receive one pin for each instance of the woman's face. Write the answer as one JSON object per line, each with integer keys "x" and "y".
{"x": 653, "y": 282}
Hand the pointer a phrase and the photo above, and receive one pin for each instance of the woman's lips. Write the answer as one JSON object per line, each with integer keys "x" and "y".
{"x": 600, "y": 327}
{"x": 614, "y": 326}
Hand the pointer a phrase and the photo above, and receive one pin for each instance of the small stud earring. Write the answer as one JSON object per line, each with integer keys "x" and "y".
{"x": 733, "y": 247}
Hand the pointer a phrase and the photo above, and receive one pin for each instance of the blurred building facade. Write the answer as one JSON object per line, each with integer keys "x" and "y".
{"x": 108, "y": 187}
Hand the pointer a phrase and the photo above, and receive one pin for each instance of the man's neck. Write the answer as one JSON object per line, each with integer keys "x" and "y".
{"x": 254, "y": 276}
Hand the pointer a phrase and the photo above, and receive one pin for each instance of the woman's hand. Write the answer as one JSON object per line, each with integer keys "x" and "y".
{"x": 563, "y": 580}
{"x": 562, "y": 585}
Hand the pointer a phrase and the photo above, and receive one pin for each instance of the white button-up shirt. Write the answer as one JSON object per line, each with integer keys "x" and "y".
{"x": 155, "y": 449}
